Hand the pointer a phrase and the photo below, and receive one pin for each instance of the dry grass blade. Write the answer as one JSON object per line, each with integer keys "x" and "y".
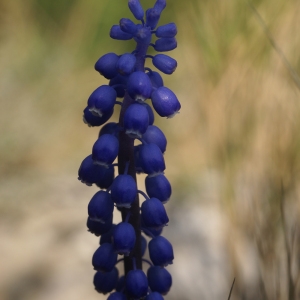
{"x": 231, "y": 289}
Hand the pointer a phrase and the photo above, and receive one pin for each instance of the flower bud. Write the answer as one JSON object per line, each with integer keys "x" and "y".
{"x": 153, "y": 214}
{"x": 165, "y": 44}
{"x": 136, "y": 120}
{"x": 104, "y": 259}
{"x": 123, "y": 190}
{"x": 166, "y": 31}
{"x": 161, "y": 251}
{"x": 128, "y": 26}
{"x": 136, "y": 9}
{"x": 124, "y": 238}
{"x": 101, "y": 207}
{"x": 118, "y": 34}
{"x": 152, "y": 17}
{"x": 159, "y": 279}
{"x": 139, "y": 86}
{"x": 105, "y": 282}
{"x": 105, "y": 150}
{"x": 136, "y": 284}
{"x": 165, "y": 102}
{"x": 126, "y": 63}
{"x": 106, "y": 65}
{"x": 154, "y": 135}
{"x": 158, "y": 187}
{"x": 164, "y": 63}
{"x": 102, "y": 100}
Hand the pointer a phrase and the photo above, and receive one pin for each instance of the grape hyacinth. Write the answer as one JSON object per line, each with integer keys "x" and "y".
{"x": 138, "y": 145}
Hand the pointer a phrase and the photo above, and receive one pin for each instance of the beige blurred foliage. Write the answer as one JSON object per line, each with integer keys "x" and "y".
{"x": 233, "y": 151}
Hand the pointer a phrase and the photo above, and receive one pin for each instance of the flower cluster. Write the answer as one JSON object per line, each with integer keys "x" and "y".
{"x": 139, "y": 146}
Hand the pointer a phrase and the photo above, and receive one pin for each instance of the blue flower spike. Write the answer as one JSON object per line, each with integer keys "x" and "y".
{"x": 130, "y": 146}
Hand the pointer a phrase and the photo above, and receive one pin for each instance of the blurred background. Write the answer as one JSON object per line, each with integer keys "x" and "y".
{"x": 233, "y": 154}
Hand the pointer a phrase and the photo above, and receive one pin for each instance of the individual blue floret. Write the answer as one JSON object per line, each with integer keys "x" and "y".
{"x": 123, "y": 190}
{"x": 128, "y": 26}
{"x": 126, "y": 63}
{"x": 154, "y": 296}
{"x": 136, "y": 284}
{"x": 165, "y": 102}
{"x": 105, "y": 150}
{"x": 136, "y": 9}
{"x": 150, "y": 112}
{"x": 151, "y": 159}
{"x": 89, "y": 173}
{"x": 164, "y": 63}
{"x": 117, "y": 296}
{"x": 154, "y": 135}
{"x": 158, "y": 187}
{"x": 101, "y": 207}
{"x": 124, "y": 238}
{"x": 160, "y": 5}
{"x": 102, "y": 100}
{"x": 136, "y": 120}
{"x": 155, "y": 78}
{"x": 110, "y": 128}
{"x": 166, "y": 31}
{"x": 98, "y": 228}
{"x": 152, "y": 17}
{"x": 105, "y": 258}
{"x": 106, "y": 65}
{"x": 105, "y": 282}
{"x": 159, "y": 279}
{"x": 139, "y": 86}
{"x": 91, "y": 120}
{"x": 165, "y": 44}
{"x": 153, "y": 214}
{"x": 161, "y": 251}
{"x": 117, "y": 33}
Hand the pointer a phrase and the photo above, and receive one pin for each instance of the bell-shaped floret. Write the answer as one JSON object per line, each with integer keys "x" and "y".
{"x": 98, "y": 228}
{"x": 154, "y": 135}
{"x": 101, "y": 207}
{"x": 124, "y": 238}
{"x": 158, "y": 187}
{"x": 166, "y": 31}
{"x": 117, "y": 296}
{"x": 110, "y": 128}
{"x": 161, "y": 251}
{"x": 165, "y": 102}
{"x": 102, "y": 100}
{"x": 117, "y": 33}
{"x": 136, "y": 9}
{"x": 105, "y": 258}
{"x": 123, "y": 190}
{"x": 152, "y": 17}
{"x": 105, "y": 282}
{"x": 150, "y": 112}
{"x": 90, "y": 173}
{"x": 154, "y": 296}
{"x": 119, "y": 83}
{"x": 153, "y": 214}
{"x": 139, "y": 86}
{"x": 164, "y": 63}
{"x": 151, "y": 159}
{"x": 106, "y": 65}
{"x": 107, "y": 236}
{"x": 160, "y": 5}
{"x": 126, "y": 64}
{"x": 91, "y": 120}
{"x": 136, "y": 284}
{"x": 165, "y": 44}
{"x": 144, "y": 244}
{"x": 136, "y": 120}
{"x": 105, "y": 150}
{"x": 160, "y": 280}
{"x": 128, "y": 26}
{"x": 155, "y": 78}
